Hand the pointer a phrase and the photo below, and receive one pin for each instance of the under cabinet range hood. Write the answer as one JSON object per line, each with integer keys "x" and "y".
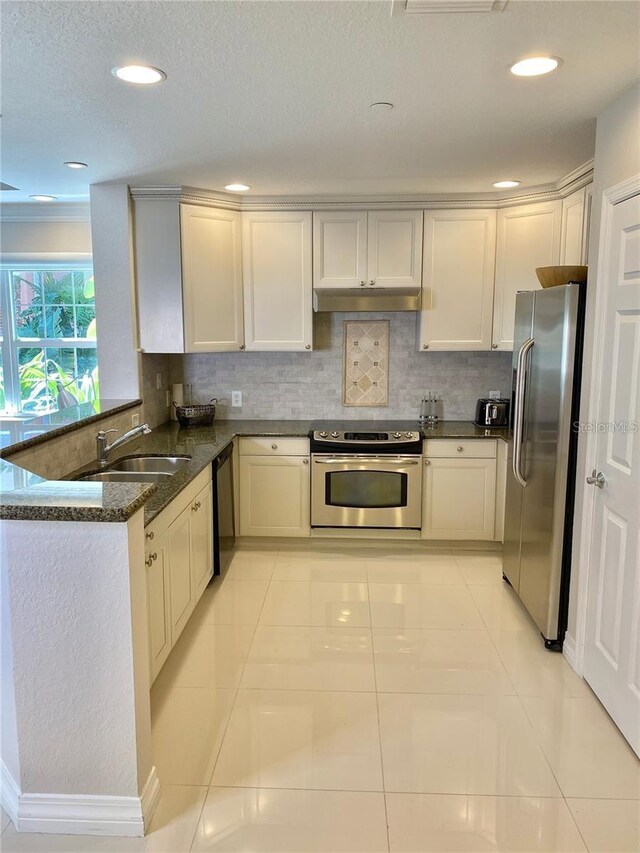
{"x": 371, "y": 299}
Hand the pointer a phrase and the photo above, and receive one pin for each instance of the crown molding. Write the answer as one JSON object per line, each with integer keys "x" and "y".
{"x": 18, "y": 211}
{"x": 563, "y": 187}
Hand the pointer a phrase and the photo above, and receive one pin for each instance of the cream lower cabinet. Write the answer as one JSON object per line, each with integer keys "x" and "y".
{"x": 179, "y": 565}
{"x": 459, "y": 490}
{"x": 275, "y": 487}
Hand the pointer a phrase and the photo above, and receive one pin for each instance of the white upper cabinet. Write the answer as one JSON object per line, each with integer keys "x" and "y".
{"x": 211, "y": 279}
{"x": 527, "y": 237}
{"x": 457, "y": 284}
{"x": 394, "y": 248}
{"x": 339, "y": 249}
{"x": 573, "y": 232}
{"x": 276, "y": 251}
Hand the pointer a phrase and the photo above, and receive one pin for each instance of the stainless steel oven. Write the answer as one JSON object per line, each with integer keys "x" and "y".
{"x": 379, "y": 486}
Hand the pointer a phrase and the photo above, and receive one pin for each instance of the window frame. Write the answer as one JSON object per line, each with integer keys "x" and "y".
{"x": 10, "y": 343}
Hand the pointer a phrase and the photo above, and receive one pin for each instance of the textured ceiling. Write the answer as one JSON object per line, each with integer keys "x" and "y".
{"x": 276, "y": 94}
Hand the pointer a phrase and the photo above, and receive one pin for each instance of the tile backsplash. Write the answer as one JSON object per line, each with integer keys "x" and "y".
{"x": 309, "y": 385}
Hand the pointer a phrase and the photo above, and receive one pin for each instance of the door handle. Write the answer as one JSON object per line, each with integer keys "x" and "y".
{"x": 597, "y": 479}
{"x": 518, "y": 420}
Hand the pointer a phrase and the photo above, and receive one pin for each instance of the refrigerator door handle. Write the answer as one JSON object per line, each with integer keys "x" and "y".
{"x": 518, "y": 418}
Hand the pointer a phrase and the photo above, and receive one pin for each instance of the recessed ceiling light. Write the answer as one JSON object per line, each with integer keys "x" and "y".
{"x": 237, "y": 188}
{"x": 144, "y": 75}
{"x": 44, "y": 197}
{"x": 381, "y": 107}
{"x": 535, "y": 65}
{"x": 75, "y": 164}
{"x": 505, "y": 185}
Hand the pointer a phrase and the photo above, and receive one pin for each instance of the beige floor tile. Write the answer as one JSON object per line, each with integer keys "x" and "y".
{"x": 171, "y": 831}
{"x": 208, "y": 655}
{"x": 277, "y": 821}
{"x": 320, "y": 566}
{"x": 252, "y": 565}
{"x": 608, "y": 826}
{"x": 587, "y": 753}
{"x": 187, "y": 725}
{"x": 480, "y": 568}
{"x": 418, "y": 660}
{"x": 533, "y": 670}
{"x": 301, "y": 739}
{"x": 426, "y": 568}
{"x": 500, "y": 608}
{"x": 470, "y": 824}
{"x": 232, "y": 602}
{"x": 423, "y": 606}
{"x": 462, "y": 745}
{"x": 305, "y": 658}
{"x": 330, "y": 603}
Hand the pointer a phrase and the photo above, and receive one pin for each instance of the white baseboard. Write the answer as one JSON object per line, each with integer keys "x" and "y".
{"x": 569, "y": 651}
{"x": 80, "y": 814}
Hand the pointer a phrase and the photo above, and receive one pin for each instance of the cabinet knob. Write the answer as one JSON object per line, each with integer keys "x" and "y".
{"x": 305, "y": 461}
{"x": 274, "y": 446}
{"x": 494, "y": 346}
{"x": 241, "y": 346}
{"x": 196, "y": 506}
{"x": 426, "y": 462}
{"x": 459, "y": 448}
{"x": 372, "y": 281}
{"x": 425, "y": 346}
{"x": 150, "y": 534}
{"x": 308, "y": 346}
{"x": 151, "y": 558}
{"x": 148, "y": 562}
{"x": 363, "y": 283}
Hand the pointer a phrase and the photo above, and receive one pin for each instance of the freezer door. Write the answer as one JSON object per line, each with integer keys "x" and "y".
{"x": 514, "y": 491}
{"x": 546, "y": 453}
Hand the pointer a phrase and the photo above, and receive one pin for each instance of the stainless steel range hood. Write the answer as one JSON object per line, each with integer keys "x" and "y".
{"x": 374, "y": 299}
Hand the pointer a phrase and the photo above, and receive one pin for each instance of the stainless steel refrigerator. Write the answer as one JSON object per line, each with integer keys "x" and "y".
{"x": 547, "y": 357}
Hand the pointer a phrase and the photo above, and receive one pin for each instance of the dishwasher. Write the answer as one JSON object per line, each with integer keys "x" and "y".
{"x": 224, "y": 534}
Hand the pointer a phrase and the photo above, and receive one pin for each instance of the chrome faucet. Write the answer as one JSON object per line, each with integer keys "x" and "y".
{"x": 105, "y": 449}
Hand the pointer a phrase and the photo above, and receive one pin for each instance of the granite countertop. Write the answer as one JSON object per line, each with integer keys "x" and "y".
{"x": 31, "y": 497}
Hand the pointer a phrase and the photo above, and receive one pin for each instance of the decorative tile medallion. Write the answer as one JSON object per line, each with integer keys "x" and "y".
{"x": 366, "y": 363}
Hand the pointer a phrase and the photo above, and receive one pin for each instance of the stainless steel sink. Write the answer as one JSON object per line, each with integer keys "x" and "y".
{"x": 128, "y": 476}
{"x": 150, "y": 464}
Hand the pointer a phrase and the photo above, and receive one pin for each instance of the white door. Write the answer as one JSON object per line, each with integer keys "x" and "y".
{"x": 211, "y": 279}
{"x": 275, "y": 496}
{"x": 202, "y": 539}
{"x": 394, "y": 248}
{"x": 181, "y": 586}
{"x": 459, "y": 499}
{"x": 276, "y": 251}
{"x": 612, "y": 642}
{"x": 572, "y": 231}
{"x": 527, "y": 237}
{"x": 339, "y": 249}
{"x": 457, "y": 283}
{"x": 158, "y": 605}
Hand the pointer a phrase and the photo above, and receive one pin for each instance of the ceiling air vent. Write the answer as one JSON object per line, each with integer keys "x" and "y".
{"x": 430, "y": 7}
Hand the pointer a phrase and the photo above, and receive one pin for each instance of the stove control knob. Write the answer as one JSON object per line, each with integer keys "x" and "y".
{"x": 408, "y": 435}
{"x": 335, "y": 434}
{"x": 397, "y": 435}
{"x": 323, "y": 434}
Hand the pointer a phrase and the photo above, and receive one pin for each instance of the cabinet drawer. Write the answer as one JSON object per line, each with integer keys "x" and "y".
{"x": 274, "y": 446}
{"x": 445, "y": 448}
{"x": 178, "y": 504}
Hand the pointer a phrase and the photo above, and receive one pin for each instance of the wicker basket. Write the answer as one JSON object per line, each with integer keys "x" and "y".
{"x": 198, "y": 415}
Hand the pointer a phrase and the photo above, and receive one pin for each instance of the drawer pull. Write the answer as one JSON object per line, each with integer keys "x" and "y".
{"x": 426, "y": 462}
{"x": 274, "y": 446}
{"x": 150, "y": 534}
{"x": 459, "y": 448}
{"x": 151, "y": 558}
{"x": 196, "y": 506}
{"x": 305, "y": 461}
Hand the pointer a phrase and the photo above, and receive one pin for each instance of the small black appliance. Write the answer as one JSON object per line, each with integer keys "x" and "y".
{"x": 492, "y": 413}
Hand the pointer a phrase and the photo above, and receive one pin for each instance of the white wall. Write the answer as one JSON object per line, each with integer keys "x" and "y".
{"x": 45, "y": 230}
{"x": 617, "y": 158}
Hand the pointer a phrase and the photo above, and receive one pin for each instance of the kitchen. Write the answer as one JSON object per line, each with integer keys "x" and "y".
{"x": 279, "y": 668}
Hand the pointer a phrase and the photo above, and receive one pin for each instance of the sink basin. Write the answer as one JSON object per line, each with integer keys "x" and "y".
{"x": 128, "y": 476}
{"x": 149, "y": 464}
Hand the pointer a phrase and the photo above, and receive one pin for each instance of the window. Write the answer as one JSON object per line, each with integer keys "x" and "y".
{"x": 48, "y": 356}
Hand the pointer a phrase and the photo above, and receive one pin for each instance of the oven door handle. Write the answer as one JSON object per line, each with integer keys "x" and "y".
{"x": 398, "y": 463}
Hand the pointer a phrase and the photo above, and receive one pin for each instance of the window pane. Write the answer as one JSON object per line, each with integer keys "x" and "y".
{"x": 37, "y": 390}
{"x": 29, "y": 312}
{"x": 85, "y": 327}
{"x": 3, "y": 401}
{"x": 57, "y": 286}
{"x": 83, "y": 287}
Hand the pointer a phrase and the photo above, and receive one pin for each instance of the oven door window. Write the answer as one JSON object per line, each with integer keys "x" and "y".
{"x": 366, "y": 489}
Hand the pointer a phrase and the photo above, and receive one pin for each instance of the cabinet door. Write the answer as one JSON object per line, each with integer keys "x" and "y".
{"x": 274, "y": 496}
{"x": 339, "y": 249}
{"x": 202, "y": 540}
{"x": 394, "y": 248}
{"x": 528, "y": 237}
{"x": 276, "y": 249}
{"x": 572, "y": 231}
{"x": 211, "y": 279}
{"x": 158, "y": 604}
{"x": 457, "y": 283}
{"x": 181, "y": 584}
{"x": 458, "y": 500}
